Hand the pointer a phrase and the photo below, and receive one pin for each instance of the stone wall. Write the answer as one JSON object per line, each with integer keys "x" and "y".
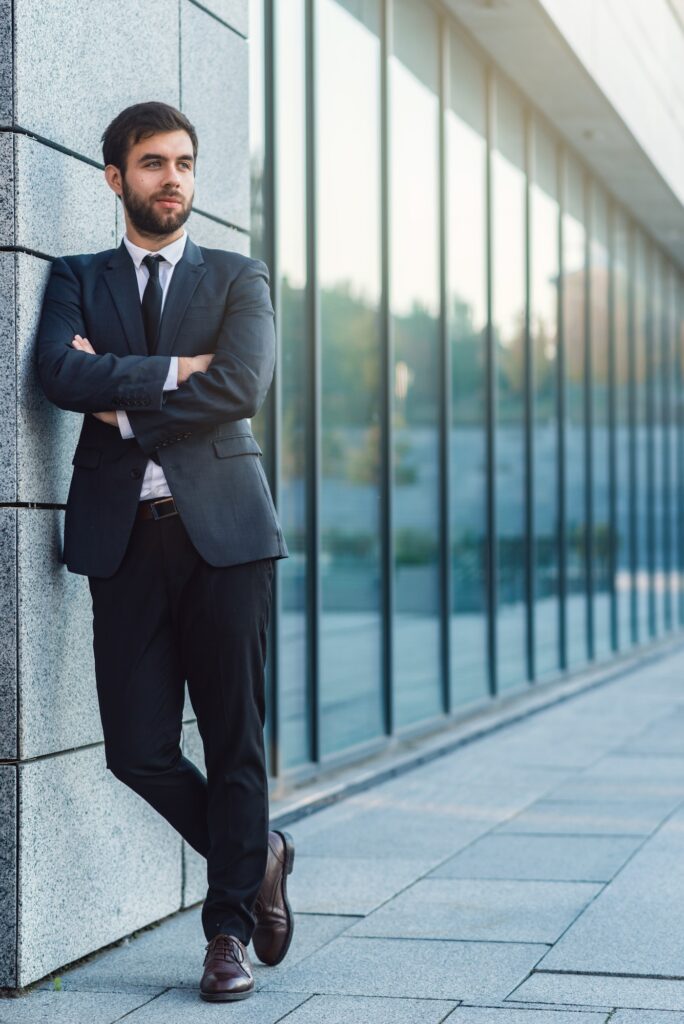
{"x": 83, "y": 860}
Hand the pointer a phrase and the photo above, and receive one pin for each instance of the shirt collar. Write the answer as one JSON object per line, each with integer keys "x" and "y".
{"x": 171, "y": 252}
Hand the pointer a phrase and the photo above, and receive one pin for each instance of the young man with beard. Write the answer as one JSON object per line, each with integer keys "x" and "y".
{"x": 168, "y": 349}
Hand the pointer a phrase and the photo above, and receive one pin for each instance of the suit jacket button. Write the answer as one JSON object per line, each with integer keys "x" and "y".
{"x": 136, "y": 473}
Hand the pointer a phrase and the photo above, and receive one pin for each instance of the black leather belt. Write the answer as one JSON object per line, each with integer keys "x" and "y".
{"x": 157, "y": 508}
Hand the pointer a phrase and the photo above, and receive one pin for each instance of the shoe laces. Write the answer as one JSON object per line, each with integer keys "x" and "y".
{"x": 226, "y": 947}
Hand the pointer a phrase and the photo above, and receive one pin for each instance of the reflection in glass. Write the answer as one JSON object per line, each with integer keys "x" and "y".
{"x": 602, "y": 538}
{"x": 467, "y": 321}
{"x": 294, "y": 373}
{"x": 623, "y": 431}
{"x": 678, "y": 330}
{"x": 658, "y": 427}
{"x": 674, "y": 470}
{"x": 348, "y": 240}
{"x": 544, "y": 226}
{"x": 574, "y": 340}
{"x": 641, "y": 439}
{"x": 414, "y": 301}
{"x": 261, "y": 423}
{"x": 508, "y": 327}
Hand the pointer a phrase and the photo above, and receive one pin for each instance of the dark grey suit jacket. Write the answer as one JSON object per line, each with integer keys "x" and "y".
{"x": 217, "y": 301}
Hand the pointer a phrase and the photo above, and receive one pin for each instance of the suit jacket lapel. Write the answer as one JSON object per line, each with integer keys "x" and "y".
{"x": 123, "y": 285}
{"x": 187, "y": 274}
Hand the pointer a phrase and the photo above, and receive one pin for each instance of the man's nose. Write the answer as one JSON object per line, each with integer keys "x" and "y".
{"x": 172, "y": 177}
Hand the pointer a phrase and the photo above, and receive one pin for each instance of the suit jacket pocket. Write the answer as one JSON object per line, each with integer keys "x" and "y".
{"x": 238, "y": 444}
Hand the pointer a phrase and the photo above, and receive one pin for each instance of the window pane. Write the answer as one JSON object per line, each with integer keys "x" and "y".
{"x": 641, "y": 415}
{"x": 414, "y": 296}
{"x": 544, "y": 222}
{"x": 294, "y": 371}
{"x": 675, "y": 472}
{"x": 678, "y": 320}
{"x": 600, "y": 456}
{"x": 467, "y": 322}
{"x": 508, "y": 314}
{"x": 623, "y": 432}
{"x": 658, "y": 427}
{"x": 348, "y": 239}
{"x": 574, "y": 279}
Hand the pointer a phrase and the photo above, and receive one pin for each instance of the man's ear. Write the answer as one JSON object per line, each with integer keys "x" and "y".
{"x": 113, "y": 179}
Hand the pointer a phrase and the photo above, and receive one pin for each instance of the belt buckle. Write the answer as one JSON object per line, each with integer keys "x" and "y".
{"x": 161, "y": 515}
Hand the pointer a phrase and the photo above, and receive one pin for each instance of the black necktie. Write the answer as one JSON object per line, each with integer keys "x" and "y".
{"x": 152, "y": 302}
{"x": 151, "y": 309}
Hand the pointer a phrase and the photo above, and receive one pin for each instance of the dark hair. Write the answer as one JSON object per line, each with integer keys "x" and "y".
{"x": 138, "y": 122}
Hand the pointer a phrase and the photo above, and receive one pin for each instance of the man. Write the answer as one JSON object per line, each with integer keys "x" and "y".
{"x": 168, "y": 350}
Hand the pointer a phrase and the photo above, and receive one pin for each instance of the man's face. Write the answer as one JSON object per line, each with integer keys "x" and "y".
{"x": 158, "y": 186}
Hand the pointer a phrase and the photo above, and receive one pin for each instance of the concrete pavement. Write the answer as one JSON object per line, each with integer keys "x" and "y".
{"x": 533, "y": 876}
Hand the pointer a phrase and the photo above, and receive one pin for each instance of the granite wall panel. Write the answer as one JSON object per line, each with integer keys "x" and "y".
{"x": 8, "y": 875}
{"x": 62, "y": 204}
{"x": 57, "y": 692}
{"x": 6, "y": 64}
{"x": 79, "y": 64}
{"x": 233, "y": 12}
{"x": 8, "y": 378}
{"x": 217, "y": 105}
{"x": 8, "y": 634}
{"x": 96, "y": 862}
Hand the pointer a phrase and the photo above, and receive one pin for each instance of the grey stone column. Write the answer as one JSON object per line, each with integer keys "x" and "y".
{"x": 83, "y": 860}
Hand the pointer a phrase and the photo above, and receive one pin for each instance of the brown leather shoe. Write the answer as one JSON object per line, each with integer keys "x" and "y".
{"x": 275, "y": 920}
{"x": 227, "y": 970}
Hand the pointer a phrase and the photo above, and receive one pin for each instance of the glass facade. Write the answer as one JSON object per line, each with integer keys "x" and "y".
{"x": 475, "y": 435}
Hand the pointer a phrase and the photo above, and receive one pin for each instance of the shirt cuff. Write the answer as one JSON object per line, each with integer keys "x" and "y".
{"x": 171, "y": 382}
{"x": 124, "y": 425}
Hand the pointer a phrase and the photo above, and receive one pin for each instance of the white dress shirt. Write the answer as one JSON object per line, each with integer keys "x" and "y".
{"x": 154, "y": 483}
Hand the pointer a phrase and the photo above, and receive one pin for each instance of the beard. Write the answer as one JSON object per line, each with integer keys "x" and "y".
{"x": 150, "y": 220}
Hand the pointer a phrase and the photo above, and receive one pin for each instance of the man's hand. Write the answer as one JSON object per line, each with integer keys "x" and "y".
{"x": 187, "y": 365}
{"x": 82, "y": 344}
{"x": 107, "y": 417}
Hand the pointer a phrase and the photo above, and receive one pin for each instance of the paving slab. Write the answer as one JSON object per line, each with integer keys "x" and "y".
{"x": 504, "y": 1015}
{"x": 415, "y": 968}
{"x": 402, "y": 833}
{"x": 646, "y": 1017}
{"x": 339, "y": 885}
{"x": 601, "y": 990}
{"x": 181, "y": 1005}
{"x": 586, "y": 818}
{"x": 41, "y": 1007}
{"x": 589, "y": 788}
{"x": 480, "y": 909}
{"x": 370, "y": 1010}
{"x": 635, "y": 925}
{"x": 171, "y": 955}
{"x": 555, "y": 858}
{"x": 638, "y": 767}
{"x": 663, "y": 736}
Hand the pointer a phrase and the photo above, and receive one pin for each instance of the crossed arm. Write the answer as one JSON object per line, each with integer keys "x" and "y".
{"x": 229, "y": 384}
{"x": 181, "y": 368}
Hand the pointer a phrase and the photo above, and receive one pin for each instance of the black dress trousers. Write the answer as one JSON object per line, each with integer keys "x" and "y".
{"x": 166, "y": 617}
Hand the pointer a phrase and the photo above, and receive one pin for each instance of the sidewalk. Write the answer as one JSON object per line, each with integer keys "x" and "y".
{"x": 534, "y": 876}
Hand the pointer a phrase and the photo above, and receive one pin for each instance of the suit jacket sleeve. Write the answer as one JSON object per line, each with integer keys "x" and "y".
{"x": 238, "y": 378}
{"x": 82, "y": 382}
